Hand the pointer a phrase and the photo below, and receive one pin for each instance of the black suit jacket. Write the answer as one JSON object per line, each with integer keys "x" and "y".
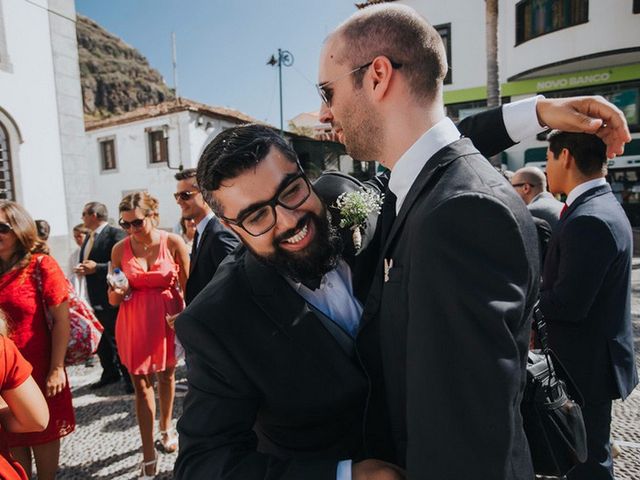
{"x": 216, "y": 243}
{"x": 101, "y": 254}
{"x": 586, "y": 293}
{"x": 272, "y": 394}
{"x": 447, "y": 333}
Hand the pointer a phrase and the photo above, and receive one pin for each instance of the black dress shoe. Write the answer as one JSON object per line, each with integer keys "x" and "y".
{"x": 103, "y": 382}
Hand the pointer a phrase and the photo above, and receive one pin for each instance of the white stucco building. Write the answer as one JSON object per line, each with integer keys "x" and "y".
{"x": 144, "y": 148}
{"x": 41, "y": 120}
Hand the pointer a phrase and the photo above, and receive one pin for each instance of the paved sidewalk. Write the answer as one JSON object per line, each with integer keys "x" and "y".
{"x": 106, "y": 443}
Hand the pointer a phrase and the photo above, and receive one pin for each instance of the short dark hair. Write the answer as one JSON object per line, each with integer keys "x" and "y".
{"x": 402, "y": 35}
{"x": 588, "y": 149}
{"x": 185, "y": 174}
{"x": 100, "y": 209}
{"x": 234, "y": 151}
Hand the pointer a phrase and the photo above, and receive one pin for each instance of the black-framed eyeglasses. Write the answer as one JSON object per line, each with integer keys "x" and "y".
{"x": 327, "y": 94}
{"x": 137, "y": 223}
{"x": 518, "y": 185}
{"x": 5, "y": 228}
{"x": 262, "y": 218}
{"x": 184, "y": 196}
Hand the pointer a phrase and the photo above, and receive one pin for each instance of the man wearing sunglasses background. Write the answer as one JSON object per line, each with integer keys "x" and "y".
{"x": 212, "y": 241}
{"x": 94, "y": 258}
{"x": 531, "y": 184}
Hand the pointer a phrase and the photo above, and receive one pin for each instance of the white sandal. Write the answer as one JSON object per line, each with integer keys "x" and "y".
{"x": 143, "y": 467}
{"x": 168, "y": 441}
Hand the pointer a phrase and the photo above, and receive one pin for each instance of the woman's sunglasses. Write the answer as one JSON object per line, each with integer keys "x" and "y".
{"x": 5, "y": 228}
{"x": 137, "y": 223}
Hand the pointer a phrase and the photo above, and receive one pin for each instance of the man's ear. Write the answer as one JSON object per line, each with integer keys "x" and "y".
{"x": 381, "y": 73}
{"x": 566, "y": 159}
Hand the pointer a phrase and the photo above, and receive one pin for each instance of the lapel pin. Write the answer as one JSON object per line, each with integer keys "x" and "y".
{"x": 388, "y": 265}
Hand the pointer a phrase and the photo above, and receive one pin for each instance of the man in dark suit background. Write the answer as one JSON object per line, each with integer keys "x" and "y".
{"x": 586, "y": 290}
{"x": 212, "y": 242}
{"x": 531, "y": 184}
{"x": 95, "y": 255}
{"x": 446, "y": 325}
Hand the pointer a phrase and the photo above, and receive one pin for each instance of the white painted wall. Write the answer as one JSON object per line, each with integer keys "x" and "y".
{"x": 468, "y": 59}
{"x": 28, "y": 95}
{"x": 134, "y": 172}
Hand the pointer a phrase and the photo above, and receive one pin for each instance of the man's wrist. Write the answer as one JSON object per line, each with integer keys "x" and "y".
{"x": 521, "y": 118}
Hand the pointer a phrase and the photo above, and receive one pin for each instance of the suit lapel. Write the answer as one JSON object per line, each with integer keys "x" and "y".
{"x": 585, "y": 197}
{"x": 203, "y": 239}
{"x": 287, "y": 309}
{"x": 427, "y": 176}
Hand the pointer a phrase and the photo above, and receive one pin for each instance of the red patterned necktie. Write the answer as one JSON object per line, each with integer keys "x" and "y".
{"x": 564, "y": 209}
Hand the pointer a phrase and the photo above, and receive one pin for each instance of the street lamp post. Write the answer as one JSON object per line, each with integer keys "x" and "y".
{"x": 284, "y": 58}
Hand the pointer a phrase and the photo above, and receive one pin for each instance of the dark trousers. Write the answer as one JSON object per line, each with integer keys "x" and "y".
{"x": 599, "y": 464}
{"x": 107, "y": 348}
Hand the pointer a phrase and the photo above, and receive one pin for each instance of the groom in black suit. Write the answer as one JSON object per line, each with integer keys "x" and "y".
{"x": 586, "y": 290}
{"x": 445, "y": 329}
{"x": 212, "y": 241}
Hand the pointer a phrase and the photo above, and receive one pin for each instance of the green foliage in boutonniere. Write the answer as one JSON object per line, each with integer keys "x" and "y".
{"x": 354, "y": 209}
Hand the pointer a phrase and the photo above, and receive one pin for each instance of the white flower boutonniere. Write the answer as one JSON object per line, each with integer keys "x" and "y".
{"x": 354, "y": 209}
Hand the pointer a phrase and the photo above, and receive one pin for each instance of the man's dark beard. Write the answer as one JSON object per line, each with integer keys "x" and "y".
{"x": 309, "y": 265}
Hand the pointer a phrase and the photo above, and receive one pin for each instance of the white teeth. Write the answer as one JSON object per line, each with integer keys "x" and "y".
{"x": 298, "y": 236}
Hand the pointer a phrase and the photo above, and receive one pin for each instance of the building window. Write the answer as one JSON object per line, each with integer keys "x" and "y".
{"x": 538, "y": 17}
{"x": 7, "y": 191}
{"x": 445, "y": 32}
{"x": 108, "y": 154}
{"x": 636, "y": 6}
{"x": 158, "y": 147}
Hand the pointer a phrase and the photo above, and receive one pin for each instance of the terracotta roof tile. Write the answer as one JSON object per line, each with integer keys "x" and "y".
{"x": 168, "y": 107}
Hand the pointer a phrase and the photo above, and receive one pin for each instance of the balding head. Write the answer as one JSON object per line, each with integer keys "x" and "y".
{"x": 529, "y": 182}
{"x": 403, "y": 36}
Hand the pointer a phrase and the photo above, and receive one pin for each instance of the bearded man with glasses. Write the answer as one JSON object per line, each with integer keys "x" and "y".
{"x": 212, "y": 241}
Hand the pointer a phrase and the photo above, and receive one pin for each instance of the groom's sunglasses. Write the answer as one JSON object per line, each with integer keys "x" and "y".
{"x": 5, "y": 228}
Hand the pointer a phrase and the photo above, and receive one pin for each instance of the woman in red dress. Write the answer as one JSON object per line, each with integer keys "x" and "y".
{"x": 23, "y": 407}
{"x": 44, "y": 349}
{"x": 156, "y": 265}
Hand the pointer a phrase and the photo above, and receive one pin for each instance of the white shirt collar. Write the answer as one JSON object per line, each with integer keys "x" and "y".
{"x": 410, "y": 164}
{"x": 202, "y": 224}
{"x": 100, "y": 228}
{"x": 583, "y": 187}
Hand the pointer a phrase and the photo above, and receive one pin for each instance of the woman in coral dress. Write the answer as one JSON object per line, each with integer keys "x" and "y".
{"x": 44, "y": 349}
{"x": 156, "y": 264}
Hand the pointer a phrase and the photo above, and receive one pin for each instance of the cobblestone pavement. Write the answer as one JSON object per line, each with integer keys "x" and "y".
{"x": 106, "y": 443}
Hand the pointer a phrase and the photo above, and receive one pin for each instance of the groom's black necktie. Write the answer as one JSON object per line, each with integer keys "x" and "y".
{"x": 388, "y": 215}
{"x": 194, "y": 249}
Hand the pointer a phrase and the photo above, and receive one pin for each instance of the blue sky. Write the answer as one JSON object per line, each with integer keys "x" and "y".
{"x": 223, "y": 46}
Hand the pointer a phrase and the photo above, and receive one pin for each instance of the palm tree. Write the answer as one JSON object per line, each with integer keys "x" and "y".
{"x": 493, "y": 80}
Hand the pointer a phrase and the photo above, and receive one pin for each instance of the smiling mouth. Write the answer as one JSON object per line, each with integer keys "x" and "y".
{"x": 298, "y": 236}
